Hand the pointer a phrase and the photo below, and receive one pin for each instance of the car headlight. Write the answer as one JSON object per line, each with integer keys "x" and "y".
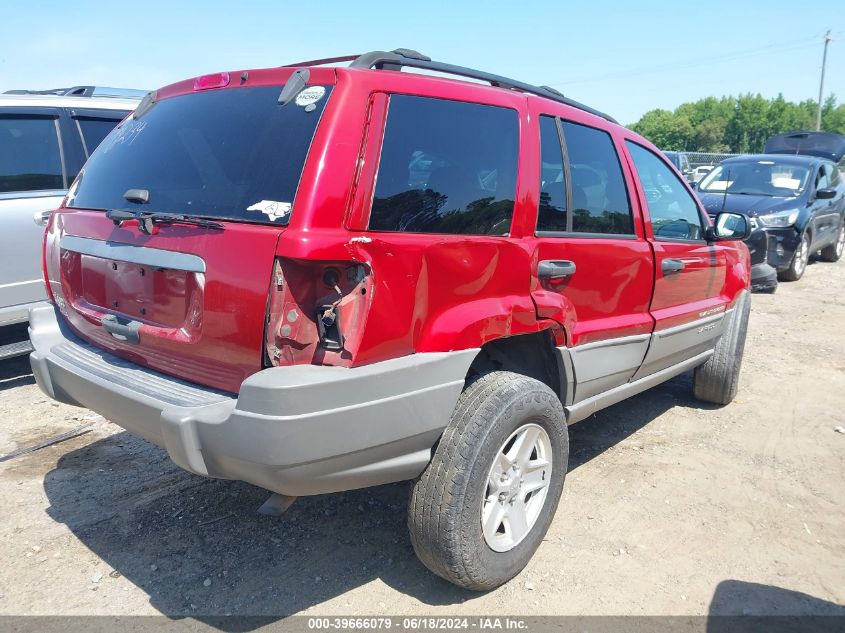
{"x": 779, "y": 219}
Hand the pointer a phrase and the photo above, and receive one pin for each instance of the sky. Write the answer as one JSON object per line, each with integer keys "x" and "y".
{"x": 624, "y": 58}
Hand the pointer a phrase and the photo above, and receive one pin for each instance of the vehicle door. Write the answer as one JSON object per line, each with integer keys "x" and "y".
{"x": 688, "y": 305}
{"x": 826, "y": 214}
{"x": 593, "y": 269}
{"x": 33, "y": 178}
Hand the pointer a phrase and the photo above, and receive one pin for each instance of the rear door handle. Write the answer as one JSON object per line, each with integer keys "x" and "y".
{"x": 672, "y": 266}
{"x": 552, "y": 269}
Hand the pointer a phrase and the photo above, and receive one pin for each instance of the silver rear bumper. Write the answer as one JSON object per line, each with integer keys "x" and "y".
{"x": 298, "y": 430}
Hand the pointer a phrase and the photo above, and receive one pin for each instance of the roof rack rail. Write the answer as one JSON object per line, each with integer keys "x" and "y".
{"x": 404, "y": 57}
{"x": 85, "y": 91}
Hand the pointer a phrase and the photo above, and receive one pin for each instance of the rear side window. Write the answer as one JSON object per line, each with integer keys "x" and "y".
{"x": 551, "y": 215}
{"x": 94, "y": 130}
{"x": 446, "y": 167}
{"x": 233, "y": 154}
{"x": 30, "y": 159}
{"x": 673, "y": 211}
{"x": 599, "y": 197}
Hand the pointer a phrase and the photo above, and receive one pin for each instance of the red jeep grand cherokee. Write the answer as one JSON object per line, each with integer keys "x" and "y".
{"x": 319, "y": 278}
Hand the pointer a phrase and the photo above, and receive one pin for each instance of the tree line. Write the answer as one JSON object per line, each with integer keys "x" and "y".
{"x": 735, "y": 124}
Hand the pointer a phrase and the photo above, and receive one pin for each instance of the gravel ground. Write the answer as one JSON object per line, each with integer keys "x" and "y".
{"x": 671, "y": 507}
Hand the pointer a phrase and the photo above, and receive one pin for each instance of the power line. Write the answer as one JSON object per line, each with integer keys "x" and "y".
{"x": 651, "y": 69}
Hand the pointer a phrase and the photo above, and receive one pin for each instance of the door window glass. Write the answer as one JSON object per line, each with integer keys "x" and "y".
{"x": 93, "y": 131}
{"x": 599, "y": 198}
{"x": 673, "y": 211}
{"x": 551, "y": 214}
{"x": 30, "y": 159}
{"x": 446, "y": 167}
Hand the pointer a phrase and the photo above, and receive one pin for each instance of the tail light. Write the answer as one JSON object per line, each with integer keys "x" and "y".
{"x": 214, "y": 80}
{"x": 316, "y": 312}
{"x": 50, "y": 263}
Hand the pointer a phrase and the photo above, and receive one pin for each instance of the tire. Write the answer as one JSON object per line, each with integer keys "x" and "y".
{"x": 833, "y": 252}
{"x": 717, "y": 380}
{"x": 798, "y": 264}
{"x": 449, "y": 498}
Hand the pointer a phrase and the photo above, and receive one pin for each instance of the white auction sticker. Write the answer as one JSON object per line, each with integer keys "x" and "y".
{"x": 310, "y": 95}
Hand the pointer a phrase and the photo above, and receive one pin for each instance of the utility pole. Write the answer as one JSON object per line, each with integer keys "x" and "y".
{"x": 827, "y": 40}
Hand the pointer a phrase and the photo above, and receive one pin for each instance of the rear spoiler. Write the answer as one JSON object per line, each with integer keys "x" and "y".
{"x": 821, "y": 144}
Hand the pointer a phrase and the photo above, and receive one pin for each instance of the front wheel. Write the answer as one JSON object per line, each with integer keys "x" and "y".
{"x": 480, "y": 510}
{"x": 833, "y": 252}
{"x": 799, "y": 261}
{"x": 717, "y": 380}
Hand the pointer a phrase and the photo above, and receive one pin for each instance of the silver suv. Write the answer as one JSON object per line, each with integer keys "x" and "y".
{"x": 45, "y": 138}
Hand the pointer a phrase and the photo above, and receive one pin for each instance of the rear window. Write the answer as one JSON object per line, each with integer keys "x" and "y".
{"x": 231, "y": 154}
{"x": 30, "y": 159}
{"x": 446, "y": 167}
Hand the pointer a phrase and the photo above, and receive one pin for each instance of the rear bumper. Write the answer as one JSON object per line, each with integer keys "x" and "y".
{"x": 299, "y": 430}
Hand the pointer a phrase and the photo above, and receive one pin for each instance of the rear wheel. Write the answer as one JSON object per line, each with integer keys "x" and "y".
{"x": 833, "y": 252}
{"x": 481, "y": 508}
{"x": 717, "y": 380}
{"x": 799, "y": 261}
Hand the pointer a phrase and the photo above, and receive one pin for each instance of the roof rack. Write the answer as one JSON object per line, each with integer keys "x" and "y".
{"x": 405, "y": 57}
{"x": 85, "y": 91}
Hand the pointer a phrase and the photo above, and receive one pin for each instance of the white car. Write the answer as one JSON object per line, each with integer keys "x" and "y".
{"x": 700, "y": 172}
{"x": 45, "y": 138}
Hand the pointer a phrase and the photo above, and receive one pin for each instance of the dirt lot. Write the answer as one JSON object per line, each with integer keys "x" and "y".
{"x": 670, "y": 507}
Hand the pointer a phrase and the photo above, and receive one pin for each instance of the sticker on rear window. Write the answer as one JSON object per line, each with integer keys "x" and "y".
{"x": 310, "y": 96}
{"x": 271, "y": 208}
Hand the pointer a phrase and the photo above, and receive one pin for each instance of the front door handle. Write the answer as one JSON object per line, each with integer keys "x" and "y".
{"x": 555, "y": 269}
{"x": 672, "y": 266}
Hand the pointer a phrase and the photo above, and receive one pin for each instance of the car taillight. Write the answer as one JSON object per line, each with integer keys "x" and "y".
{"x": 316, "y": 311}
{"x": 50, "y": 266}
{"x": 214, "y": 80}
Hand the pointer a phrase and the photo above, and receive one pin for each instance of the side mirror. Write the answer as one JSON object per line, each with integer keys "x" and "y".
{"x": 729, "y": 226}
{"x": 41, "y": 218}
{"x": 826, "y": 194}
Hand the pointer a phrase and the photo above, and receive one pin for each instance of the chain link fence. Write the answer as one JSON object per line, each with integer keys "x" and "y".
{"x": 700, "y": 159}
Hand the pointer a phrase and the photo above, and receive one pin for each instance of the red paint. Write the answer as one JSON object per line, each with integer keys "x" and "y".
{"x": 422, "y": 293}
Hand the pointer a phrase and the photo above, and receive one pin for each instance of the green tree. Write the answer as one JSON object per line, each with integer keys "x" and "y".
{"x": 735, "y": 124}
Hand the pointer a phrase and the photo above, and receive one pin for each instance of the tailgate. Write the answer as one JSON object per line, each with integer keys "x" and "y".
{"x": 186, "y": 300}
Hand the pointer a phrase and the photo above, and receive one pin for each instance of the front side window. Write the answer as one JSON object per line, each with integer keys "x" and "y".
{"x": 822, "y": 179}
{"x": 599, "y": 197}
{"x": 673, "y": 211}
{"x": 30, "y": 159}
{"x": 232, "y": 154}
{"x": 446, "y": 167}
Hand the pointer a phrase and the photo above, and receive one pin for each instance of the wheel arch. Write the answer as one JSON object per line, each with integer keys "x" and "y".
{"x": 534, "y": 355}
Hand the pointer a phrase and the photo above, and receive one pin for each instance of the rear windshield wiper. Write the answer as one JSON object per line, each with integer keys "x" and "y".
{"x": 148, "y": 219}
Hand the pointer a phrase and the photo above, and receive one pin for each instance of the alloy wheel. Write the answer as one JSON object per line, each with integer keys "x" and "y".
{"x": 517, "y": 485}
{"x": 802, "y": 256}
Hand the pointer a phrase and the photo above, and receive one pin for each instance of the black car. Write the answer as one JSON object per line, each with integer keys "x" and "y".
{"x": 795, "y": 197}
